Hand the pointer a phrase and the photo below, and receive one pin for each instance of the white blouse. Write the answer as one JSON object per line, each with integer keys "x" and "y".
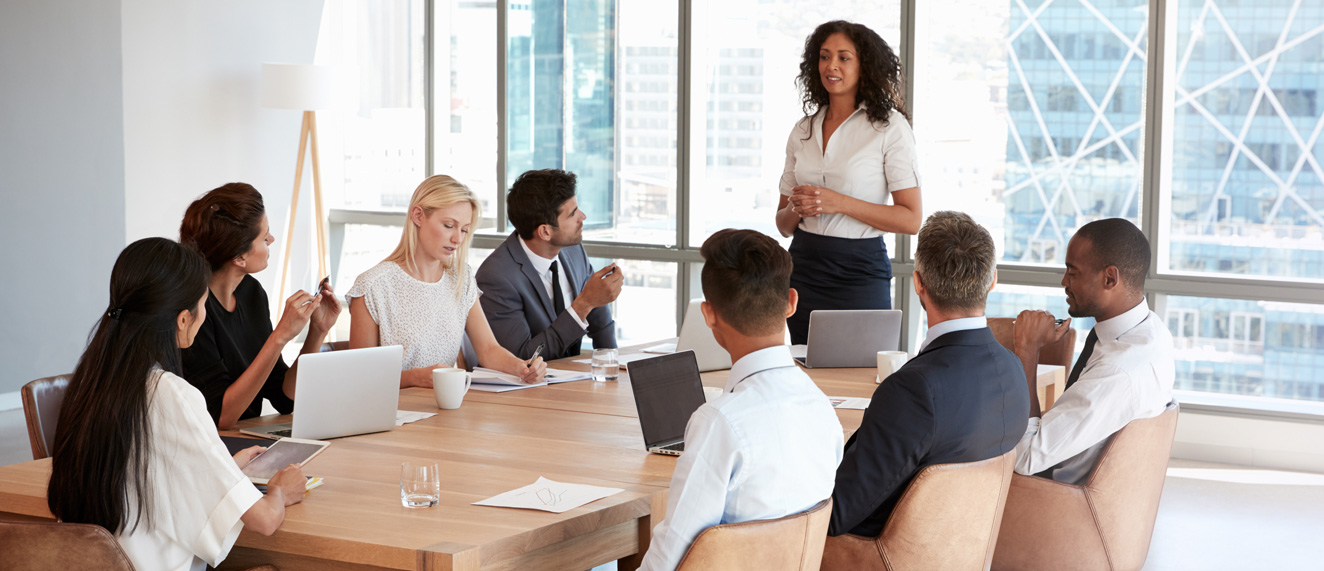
{"x": 426, "y": 318}
{"x": 862, "y": 160}
{"x": 198, "y": 493}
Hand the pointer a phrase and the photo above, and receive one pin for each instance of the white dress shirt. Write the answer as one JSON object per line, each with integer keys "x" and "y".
{"x": 862, "y": 160}
{"x": 198, "y": 494}
{"x": 544, "y": 268}
{"x": 953, "y": 325}
{"x": 1128, "y": 376}
{"x": 767, "y": 449}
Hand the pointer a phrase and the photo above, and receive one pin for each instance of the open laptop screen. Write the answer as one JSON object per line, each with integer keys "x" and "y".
{"x": 667, "y": 390}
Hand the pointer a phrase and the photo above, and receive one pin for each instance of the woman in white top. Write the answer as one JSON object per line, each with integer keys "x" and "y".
{"x": 135, "y": 450}
{"x": 850, "y": 173}
{"x": 424, "y": 296}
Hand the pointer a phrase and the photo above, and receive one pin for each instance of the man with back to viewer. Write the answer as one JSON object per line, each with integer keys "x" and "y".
{"x": 538, "y": 287}
{"x": 961, "y": 399}
{"x": 1124, "y": 373}
{"x": 768, "y": 447}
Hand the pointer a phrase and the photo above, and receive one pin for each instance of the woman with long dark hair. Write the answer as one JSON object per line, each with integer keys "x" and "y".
{"x": 850, "y": 174}
{"x": 135, "y": 451}
{"x": 236, "y": 362}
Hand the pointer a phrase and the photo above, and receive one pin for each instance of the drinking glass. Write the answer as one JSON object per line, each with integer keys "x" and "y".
{"x": 605, "y": 367}
{"x": 420, "y": 484}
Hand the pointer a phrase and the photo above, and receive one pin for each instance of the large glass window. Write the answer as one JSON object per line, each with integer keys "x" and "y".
{"x": 1246, "y": 347}
{"x": 745, "y": 101}
{"x": 1246, "y": 195}
{"x": 591, "y": 88}
{"x": 1029, "y": 116}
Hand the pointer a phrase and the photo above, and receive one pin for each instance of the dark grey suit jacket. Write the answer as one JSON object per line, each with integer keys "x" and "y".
{"x": 520, "y": 311}
{"x": 962, "y": 399}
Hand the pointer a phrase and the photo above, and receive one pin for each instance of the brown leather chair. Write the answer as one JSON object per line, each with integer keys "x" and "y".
{"x": 41, "y": 406}
{"x": 947, "y": 518}
{"x": 43, "y": 546}
{"x": 1105, "y": 523}
{"x": 1059, "y": 353}
{"x": 791, "y": 543}
{"x": 39, "y": 546}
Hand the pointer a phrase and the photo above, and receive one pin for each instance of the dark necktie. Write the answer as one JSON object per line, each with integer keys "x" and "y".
{"x": 1085, "y": 353}
{"x": 558, "y": 301}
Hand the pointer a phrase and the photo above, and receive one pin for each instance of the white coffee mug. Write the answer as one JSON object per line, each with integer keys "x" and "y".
{"x": 889, "y": 362}
{"x": 711, "y": 394}
{"x": 449, "y": 386}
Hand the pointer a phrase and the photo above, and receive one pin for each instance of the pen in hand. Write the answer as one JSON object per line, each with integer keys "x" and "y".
{"x": 536, "y": 353}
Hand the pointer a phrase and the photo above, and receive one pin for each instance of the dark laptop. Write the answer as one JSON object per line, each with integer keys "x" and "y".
{"x": 667, "y": 390}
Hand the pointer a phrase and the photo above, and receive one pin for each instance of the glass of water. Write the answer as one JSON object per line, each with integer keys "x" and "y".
{"x": 420, "y": 484}
{"x": 605, "y": 367}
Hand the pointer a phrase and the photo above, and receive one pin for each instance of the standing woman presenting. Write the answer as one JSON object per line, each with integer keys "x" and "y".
{"x": 850, "y": 173}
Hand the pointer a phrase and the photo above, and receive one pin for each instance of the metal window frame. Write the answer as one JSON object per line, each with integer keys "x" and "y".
{"x": 1156, "y": 175}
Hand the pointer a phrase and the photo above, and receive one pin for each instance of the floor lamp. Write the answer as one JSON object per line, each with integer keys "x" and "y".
{"x": 304, "y": 88}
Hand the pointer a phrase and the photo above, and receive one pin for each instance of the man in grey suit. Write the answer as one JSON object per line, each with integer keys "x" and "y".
{"x": 539, "y": 289}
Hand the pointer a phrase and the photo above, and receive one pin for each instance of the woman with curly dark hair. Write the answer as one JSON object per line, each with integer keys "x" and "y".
{"x": 850, "y": 174}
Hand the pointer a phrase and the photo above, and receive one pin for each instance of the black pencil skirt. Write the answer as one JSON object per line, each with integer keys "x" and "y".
{"x": 837, "y": 273}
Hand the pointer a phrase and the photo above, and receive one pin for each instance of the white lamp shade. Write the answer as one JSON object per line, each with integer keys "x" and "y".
{"x": 298, "y": 86}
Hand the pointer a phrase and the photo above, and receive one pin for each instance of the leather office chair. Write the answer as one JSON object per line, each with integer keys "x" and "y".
{"x": 791, "y": 543}
{"x": 41, "y": 407}
{"x": 1105, "y": 523}
{"x": 42, "y": 546}
{"x": 947, "y": 518}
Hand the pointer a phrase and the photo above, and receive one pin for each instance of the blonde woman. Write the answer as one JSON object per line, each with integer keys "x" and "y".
{"x": 424, "y": 297}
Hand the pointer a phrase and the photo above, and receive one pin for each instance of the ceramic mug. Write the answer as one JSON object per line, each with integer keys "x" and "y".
{"x": 449, "y": 386}
{"x": 889, "y": 362}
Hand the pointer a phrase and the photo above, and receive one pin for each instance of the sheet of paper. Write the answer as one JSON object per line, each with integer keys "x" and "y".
{"x": 849, "y": 402}
{"x": 554, "y": 376}
{"x": 663, "y": 349}
{"x": 549, "y": 496}
{"x": 623, "y": 359}
{"x": 403, "y": 417}
{"x": 503, "y": 388}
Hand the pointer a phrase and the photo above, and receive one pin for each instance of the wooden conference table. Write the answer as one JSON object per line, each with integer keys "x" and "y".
{"x": 581, "y": 432}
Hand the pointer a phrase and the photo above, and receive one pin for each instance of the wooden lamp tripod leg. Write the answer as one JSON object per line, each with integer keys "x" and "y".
{"x": 279, "y": 298}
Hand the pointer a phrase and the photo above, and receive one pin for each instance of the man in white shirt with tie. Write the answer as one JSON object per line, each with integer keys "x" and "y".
{"x": 1124, "y": 373}
{"x": 769, "y": 447}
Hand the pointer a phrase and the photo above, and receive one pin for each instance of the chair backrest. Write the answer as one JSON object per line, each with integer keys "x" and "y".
{"x": 949, "y": 516}
{"x": 41, "y": 406}
{"x": 1059, "y": 353}
{"x": 41, "y": 546}
{"x": 791, "y": 543}
{"x": 1127, "y": 483}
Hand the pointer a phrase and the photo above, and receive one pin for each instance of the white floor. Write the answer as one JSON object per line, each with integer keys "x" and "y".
{"x": 1213, "y": 516}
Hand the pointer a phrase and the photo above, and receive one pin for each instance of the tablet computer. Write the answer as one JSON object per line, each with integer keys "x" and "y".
{"x": 282, "y": 453}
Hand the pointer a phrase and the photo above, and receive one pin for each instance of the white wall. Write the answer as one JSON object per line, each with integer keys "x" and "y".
{"x": 61, "y": 179}
{"x": 192, "y": 117}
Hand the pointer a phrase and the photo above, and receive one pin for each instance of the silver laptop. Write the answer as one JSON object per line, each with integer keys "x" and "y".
{"x": 849, "y": 338}
{"x": 695, "y": 335}
{"x": 342, "y": 393}
{"x": 667, "y": 390}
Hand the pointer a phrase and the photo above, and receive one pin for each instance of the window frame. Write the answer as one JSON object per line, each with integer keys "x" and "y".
{"x": 1156, "y": 172}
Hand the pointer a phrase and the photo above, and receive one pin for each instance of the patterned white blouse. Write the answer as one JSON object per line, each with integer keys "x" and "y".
{"x": 426, "y": 318}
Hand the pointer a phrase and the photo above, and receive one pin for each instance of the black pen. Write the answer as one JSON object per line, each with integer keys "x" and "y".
{"x": 536, "y": 352}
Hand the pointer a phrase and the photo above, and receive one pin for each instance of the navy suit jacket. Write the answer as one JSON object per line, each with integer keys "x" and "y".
{"x": 962, "y": 399}
{"x": 520, "y": 311}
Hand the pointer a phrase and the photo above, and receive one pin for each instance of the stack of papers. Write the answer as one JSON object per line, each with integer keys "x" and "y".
{"x": 555, "y": 376}
{"x": 663, "y": 349}
{"x": 549, "y": 496}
